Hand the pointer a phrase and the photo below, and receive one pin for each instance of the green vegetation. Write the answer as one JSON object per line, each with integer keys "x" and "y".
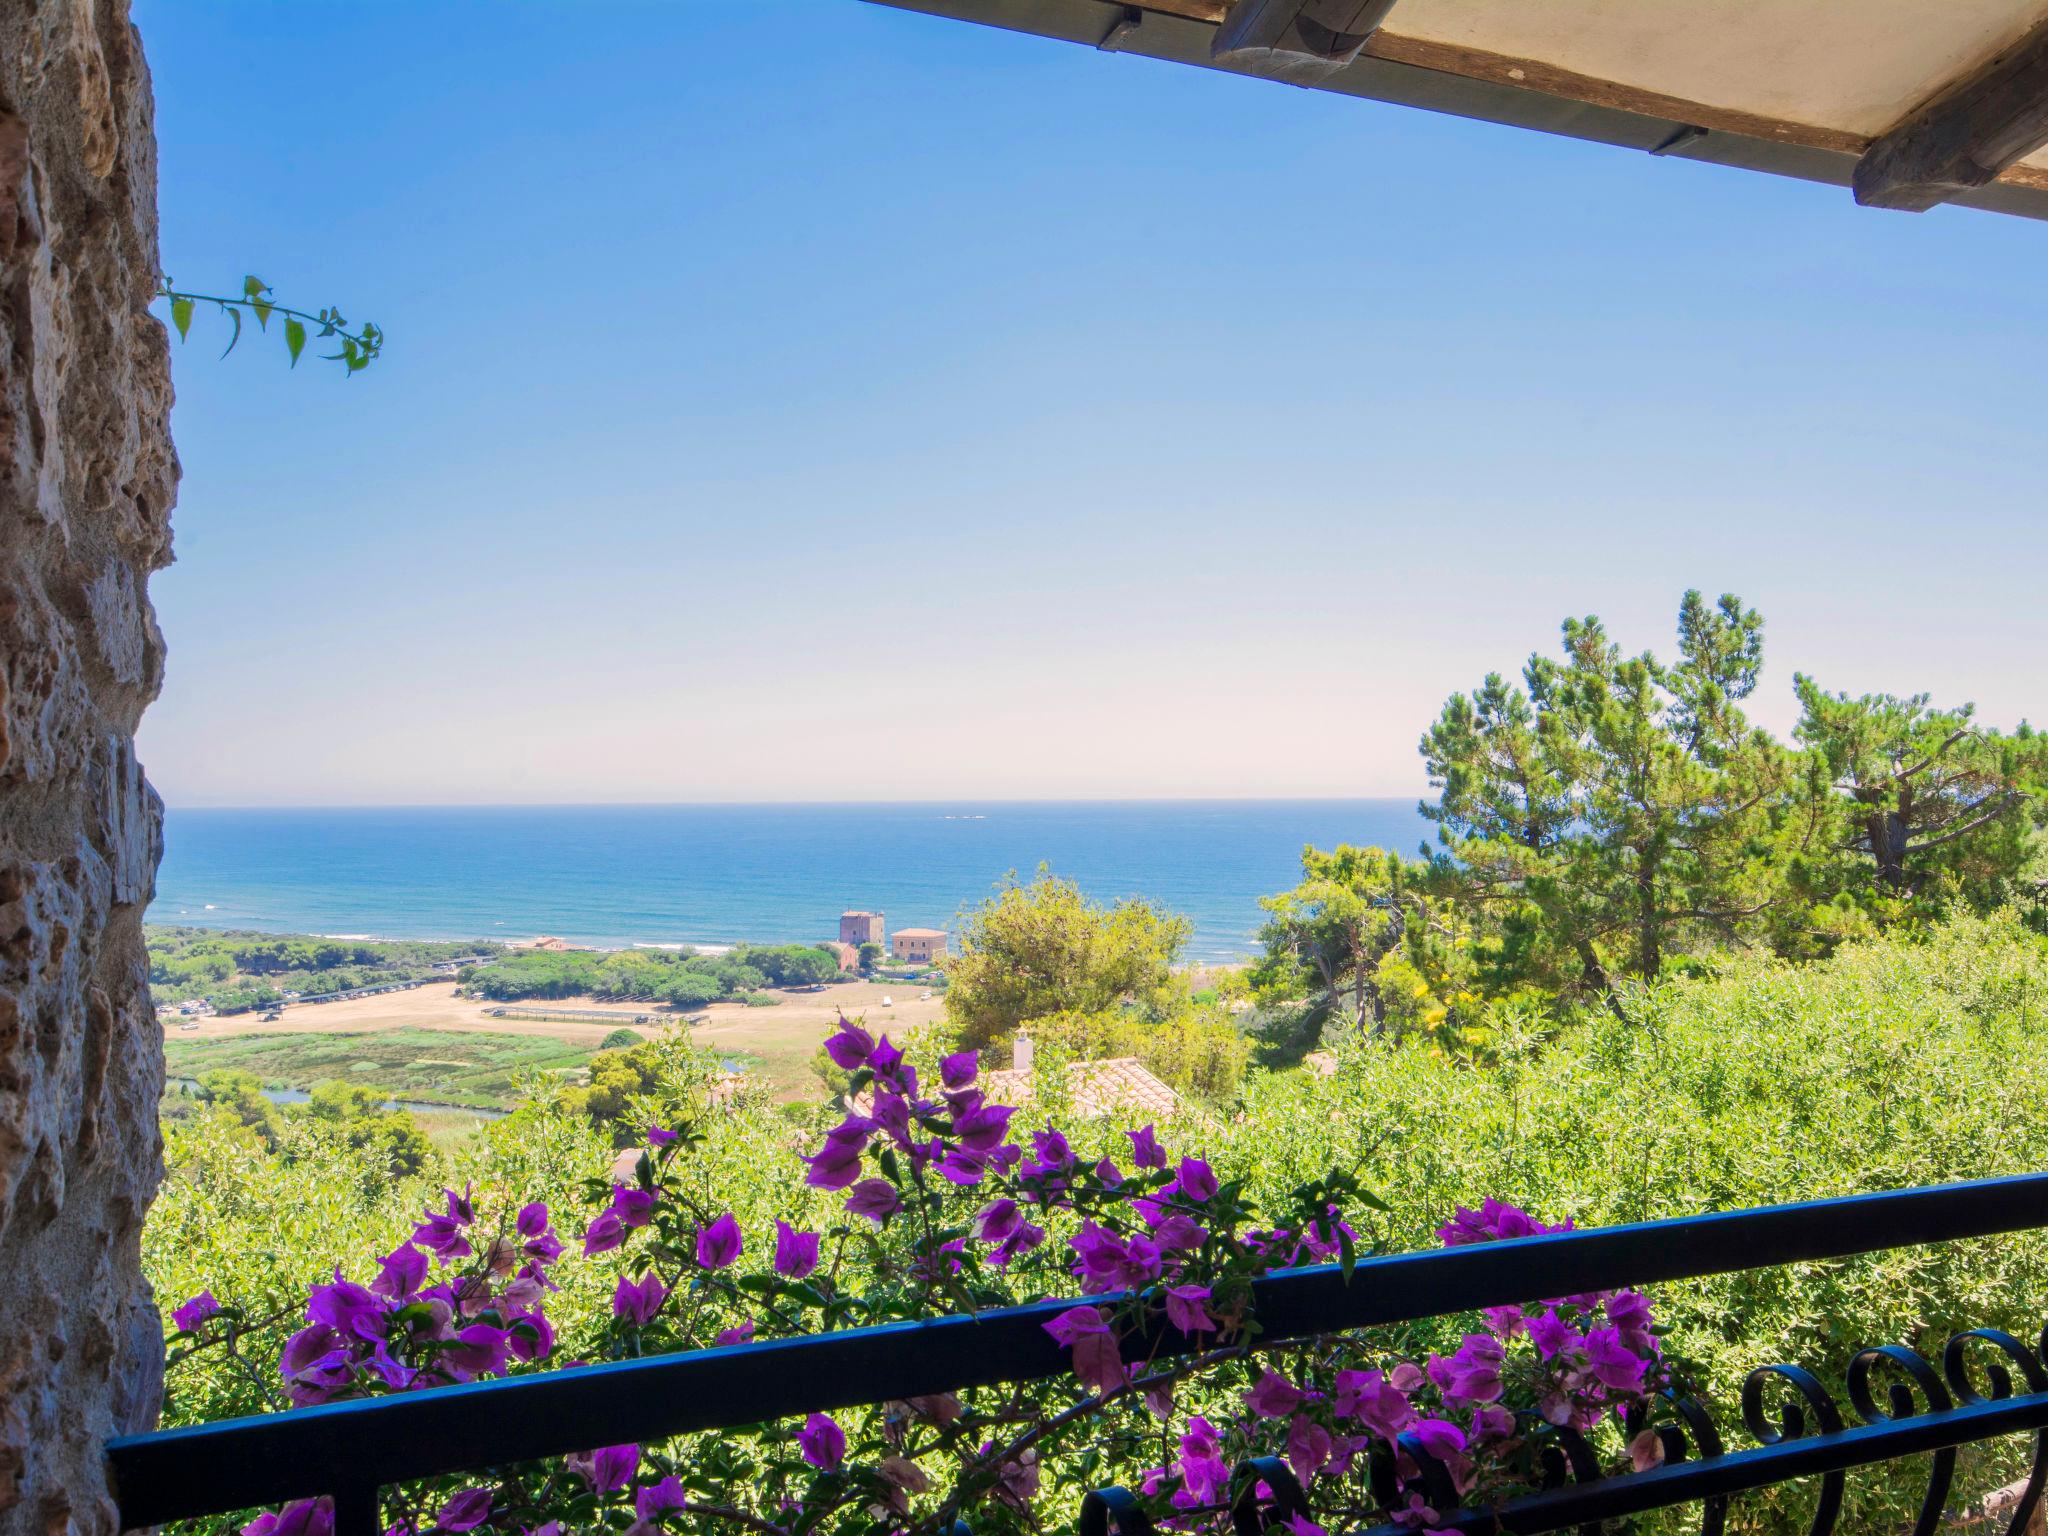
{"x": 442, "y": 1066}
{"x": 1616, "y": 818}
{"x": 1898, "y": 1060}
{"x": 682, "y": 980}
{"x": 1038, "y": 949}
{"x": 386, "y": 1144}
{"x": 237, "y": 971}
{"x": 1091, "y": 981}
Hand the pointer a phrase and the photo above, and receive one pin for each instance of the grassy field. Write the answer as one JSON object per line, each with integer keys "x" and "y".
{"x": 444, "y": 1066}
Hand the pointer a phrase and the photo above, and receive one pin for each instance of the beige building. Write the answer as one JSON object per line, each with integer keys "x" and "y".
{"x": 921, "y": 945}
{"x": 858, "y": 928}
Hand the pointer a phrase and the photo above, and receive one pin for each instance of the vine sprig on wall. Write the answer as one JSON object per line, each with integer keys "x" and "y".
{"x": 358, "y": 347}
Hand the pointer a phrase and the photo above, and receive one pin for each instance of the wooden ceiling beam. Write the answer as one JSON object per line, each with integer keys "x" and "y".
{"x": 1303, "y": 42}
{"x": 1965, "y": 136}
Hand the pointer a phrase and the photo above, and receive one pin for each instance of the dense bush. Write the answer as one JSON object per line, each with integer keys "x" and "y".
{"x": 1891, "y": 1064}
{"x": 237, "y": 970}
{"x": 1193, "y": 1048}
{"x": 683, "y": 980}
{"x": 790, "y": 965}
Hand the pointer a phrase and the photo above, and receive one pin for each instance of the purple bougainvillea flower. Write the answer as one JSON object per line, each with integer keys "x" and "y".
{"x": 607, "y": 1470}
{"x": 1196, "y": 1180}
{"x": 400, "y": 1272}
{"x": 1439, "y": 1438}
{"x": 1508, "y": 1322}
{"x": 1203, "y": 1471}
{"x": 1145, "y": 1149}
{"x": 875, "y": 1199}
{"x": 837, "y": 1164}
{"x": 1109, "y": 1173}
{"x": 1095, "y": 1358}
{"x": 963, "y": 1168}
{"x": 822, "y": 1442}
{"x": 1301, "y": 1525}
{"x": 1187, "y": 1308}
{"x": 1099, "y": 1256}
{"x": 1074, "y": 1324}
{"x": 1054, "y": 1155}
{"x": 796, "y": 1253}
{"x": 442, "y": 1237}
{"x": 892, "y": 1112}
{"x": 1472, "y": 1375}
{"x": 1022, "y": 1239}
{"x": 530, "y": 1337}
{"x": 478, "y": 1350}
{"x": 307, "y": 1346}
{"x": 958, "y": 1070}
{"x": 658, "y": 1138}
{"x": 1308, "y": 1446}
{"x": 656, "y": 1497}
{"x": 720, "y": 1243}
{"x": 307, "y": 1517}
{"x": 188, "y": 1317}
{"x": 885, "y": 1058}
{"x": 1140, "y": 1264}
{"x": 1551, "y": 1334}
{"x": 1493, "y": 1422}
{"x": 1373, "y": 1400}
{"x": 996, "y": 1220}
{"x": 1629, "y": 1311}
{"x": 1178, "y": 1231}
{"x": 738, "y": 1335}
{"x": 638, "y": 1301}
{"x": 633, "y": 1207}
{"x": 466, "y": 1511}
{"x": 604, "y": 1234}
{"x": 1273, "y": 1396}
{"x": 983, "y": 1128}
{"x": 1614, "y": 1364}
{"x": 347, "y": 1308}
{"x": 850, "y": 1047}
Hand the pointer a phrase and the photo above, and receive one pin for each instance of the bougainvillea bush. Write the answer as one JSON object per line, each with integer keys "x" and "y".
{"x": 940, "y": 1202}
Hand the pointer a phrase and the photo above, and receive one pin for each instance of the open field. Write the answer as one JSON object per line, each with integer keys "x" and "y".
{"x": 429, "y": 1043}
{"x": 440, "y": 1066}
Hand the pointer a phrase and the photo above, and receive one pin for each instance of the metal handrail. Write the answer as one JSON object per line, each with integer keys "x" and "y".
{"x": 351, "y": 1449}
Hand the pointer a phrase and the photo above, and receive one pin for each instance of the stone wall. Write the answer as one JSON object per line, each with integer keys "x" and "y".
{"x": 87, "y": 478}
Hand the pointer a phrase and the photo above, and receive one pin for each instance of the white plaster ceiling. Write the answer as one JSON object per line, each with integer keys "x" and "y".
{"x": 1854, "y": 65}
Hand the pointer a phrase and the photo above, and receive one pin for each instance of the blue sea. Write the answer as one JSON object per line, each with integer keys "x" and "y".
{"x": 720, "y": 874}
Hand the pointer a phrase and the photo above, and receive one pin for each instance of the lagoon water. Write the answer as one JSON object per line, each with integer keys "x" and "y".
{"x": 716, "y": 874}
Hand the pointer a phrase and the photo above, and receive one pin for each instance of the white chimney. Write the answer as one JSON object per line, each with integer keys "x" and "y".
{"x": 1020, "y": 1052}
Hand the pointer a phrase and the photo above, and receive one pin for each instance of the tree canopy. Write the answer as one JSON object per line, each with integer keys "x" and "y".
{"x": 1040, "y": 948}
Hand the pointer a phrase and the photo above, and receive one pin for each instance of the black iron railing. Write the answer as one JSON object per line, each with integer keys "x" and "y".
{"x": 351, "y": 1450}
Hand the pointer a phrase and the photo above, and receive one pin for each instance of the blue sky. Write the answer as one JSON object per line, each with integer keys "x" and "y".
{"x": 799, "y": 399}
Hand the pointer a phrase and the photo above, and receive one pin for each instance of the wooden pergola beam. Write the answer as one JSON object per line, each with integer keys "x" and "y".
{"x": 1965, "y": 135}
{"x": 1301, "y": 41}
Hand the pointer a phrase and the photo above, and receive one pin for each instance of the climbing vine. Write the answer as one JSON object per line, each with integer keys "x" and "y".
{"x": 358, "y": 347}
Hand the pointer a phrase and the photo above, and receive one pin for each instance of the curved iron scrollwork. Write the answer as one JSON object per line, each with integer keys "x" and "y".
{"x": 1989, "y": 1384}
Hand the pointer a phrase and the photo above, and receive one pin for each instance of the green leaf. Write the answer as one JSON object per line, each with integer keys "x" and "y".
{"x": 236, "y": 316}
{"x": 252, "y": 287}
{"x": 294, "y": 338}
{"x": 1347, "y": 1258}
{"x": 181, "y": 317}
{"x": 262, "y": 307}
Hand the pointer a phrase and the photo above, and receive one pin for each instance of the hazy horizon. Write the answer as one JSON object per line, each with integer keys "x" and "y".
{"x": 917, "y": 412}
